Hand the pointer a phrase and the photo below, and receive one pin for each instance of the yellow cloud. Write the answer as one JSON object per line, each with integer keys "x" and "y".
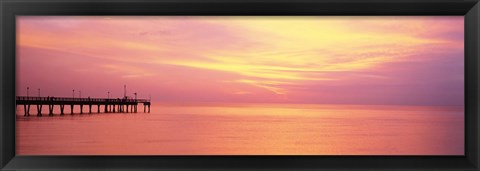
{"x": 269, "y": 85}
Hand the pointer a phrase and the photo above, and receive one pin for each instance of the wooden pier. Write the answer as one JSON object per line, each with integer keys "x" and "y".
{"x": 109, "y": 105}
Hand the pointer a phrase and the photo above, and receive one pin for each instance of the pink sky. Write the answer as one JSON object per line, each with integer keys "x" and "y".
{"x": 346, "y": 60}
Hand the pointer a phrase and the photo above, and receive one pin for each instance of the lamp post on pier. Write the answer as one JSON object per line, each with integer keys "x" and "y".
{"x": 135, "y": 96}
{"x": 28, "y": 88}
{"x": 125, "y": 91}
{"x": 38, "y": 92}
{"x": 108, "y": 94}
{"x": 73, "y": 93}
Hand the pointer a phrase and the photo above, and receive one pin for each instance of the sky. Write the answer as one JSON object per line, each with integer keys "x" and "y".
{"x": 379, "y": 60}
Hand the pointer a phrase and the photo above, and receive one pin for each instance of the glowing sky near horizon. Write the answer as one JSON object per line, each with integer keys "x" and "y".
{"x": 408, "y": 60}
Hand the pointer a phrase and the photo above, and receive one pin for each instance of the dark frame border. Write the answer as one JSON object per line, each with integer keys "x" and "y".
{"x": 10, "y": 8}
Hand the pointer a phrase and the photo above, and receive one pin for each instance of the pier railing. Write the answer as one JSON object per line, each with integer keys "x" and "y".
{"x": 70, "y": 99}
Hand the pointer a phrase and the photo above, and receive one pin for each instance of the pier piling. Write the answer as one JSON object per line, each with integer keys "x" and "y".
{"x": 50, "y": 110}
{"x": 62, "y": 106}
{"x": 39, "y": 110}
{"x": 26, "y": 108}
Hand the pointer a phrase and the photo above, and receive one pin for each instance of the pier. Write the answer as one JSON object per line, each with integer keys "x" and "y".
{"x": 109, "y": 105}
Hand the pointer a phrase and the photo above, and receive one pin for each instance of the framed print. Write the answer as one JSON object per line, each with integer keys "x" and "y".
{"x": 239, "y": 85}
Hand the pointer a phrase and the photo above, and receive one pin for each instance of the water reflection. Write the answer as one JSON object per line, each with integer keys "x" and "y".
{"x": 248, "y": 129}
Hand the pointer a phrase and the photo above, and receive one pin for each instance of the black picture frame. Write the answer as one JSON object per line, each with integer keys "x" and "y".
{"x": 11, "y": 8}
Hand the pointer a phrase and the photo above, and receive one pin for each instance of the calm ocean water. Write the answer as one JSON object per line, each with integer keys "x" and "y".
{"x": 253, "y": 129}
